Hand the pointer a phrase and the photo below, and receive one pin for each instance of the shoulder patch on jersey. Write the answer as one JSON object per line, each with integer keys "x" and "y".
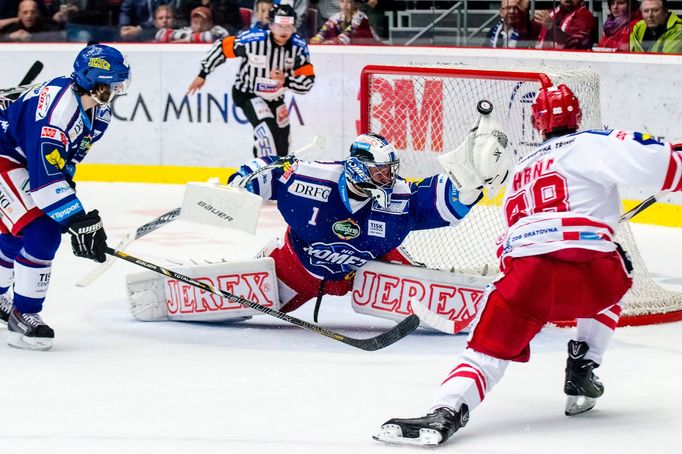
{"x": 45, "y": 98}
{"x": 52, "y": 159}
{"x": 645, "y": 139}
{"x": 104, "y": 113}
{"x": 599, "y": 132}
{"x": 53, "y": 133}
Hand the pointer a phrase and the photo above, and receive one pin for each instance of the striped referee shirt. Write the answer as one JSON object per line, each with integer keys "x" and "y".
{"x": 260, "y": 55}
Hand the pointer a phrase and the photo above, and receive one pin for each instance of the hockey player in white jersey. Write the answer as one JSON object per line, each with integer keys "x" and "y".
{"x": 558, "y": 260}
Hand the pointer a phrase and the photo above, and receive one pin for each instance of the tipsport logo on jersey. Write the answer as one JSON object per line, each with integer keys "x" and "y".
{"x": 337, "y": 257}
{"x": 198, "y": 108}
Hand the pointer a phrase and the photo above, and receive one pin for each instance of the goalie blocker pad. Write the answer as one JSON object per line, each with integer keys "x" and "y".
{"x": 222, "y": 206}
{"x": 154, "y": 297}
{"x": 384, "y": 290}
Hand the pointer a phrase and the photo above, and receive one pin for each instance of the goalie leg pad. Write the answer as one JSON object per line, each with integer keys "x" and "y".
{"x": 162, "y": 298}
{"x": 385, "y": 290}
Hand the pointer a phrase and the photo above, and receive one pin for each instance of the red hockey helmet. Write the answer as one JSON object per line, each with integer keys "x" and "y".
{"x": 556, "y": 108}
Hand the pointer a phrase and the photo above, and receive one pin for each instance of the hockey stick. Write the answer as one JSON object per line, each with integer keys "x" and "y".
{"x": 318, "y": 141}
{"x": 129, "y": 238}
{"x": 25, "y": 83}
{"x": 385, "y": 339}
{"x": 32, "y": 73}
{"x": 643, "y": 205}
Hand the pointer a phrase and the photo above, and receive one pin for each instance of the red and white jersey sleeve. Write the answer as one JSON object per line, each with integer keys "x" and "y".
{"x": 565, "y": 194}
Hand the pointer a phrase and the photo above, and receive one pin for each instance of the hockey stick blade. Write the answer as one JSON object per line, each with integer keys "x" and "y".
{"x": 383, "y": 340}
{"x": 32, "y": 73}
{"x": 129, "y": 238}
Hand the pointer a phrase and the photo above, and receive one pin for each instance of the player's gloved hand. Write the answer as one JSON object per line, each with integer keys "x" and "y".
{"x": 88, "y": 239}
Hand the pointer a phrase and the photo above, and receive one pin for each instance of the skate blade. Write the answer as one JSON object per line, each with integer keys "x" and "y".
{"x": 579, "y": 404}
{"x": 391, "y": 433}
{"x": 18, "y": 340}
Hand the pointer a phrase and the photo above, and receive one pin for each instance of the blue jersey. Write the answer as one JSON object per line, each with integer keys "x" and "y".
{"x": 47, "y": 131}
{"x": 333, "y": 234}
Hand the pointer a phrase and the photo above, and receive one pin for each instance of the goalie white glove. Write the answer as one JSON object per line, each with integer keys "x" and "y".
{"x": 482, "y": 160}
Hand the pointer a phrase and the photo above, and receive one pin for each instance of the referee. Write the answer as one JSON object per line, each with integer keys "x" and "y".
{"x": 272, "y": 61}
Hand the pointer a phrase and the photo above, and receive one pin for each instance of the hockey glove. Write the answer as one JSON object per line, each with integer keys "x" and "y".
{"x": 88, "y": 239}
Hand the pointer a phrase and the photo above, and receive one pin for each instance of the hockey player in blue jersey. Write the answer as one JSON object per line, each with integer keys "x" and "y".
{"x": 44, "y": 134}
{"x": 342, "y": 214}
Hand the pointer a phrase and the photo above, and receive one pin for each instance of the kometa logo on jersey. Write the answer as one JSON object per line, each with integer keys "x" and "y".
{"x": 337, "y": 257}
{"x": 346, "y": 229}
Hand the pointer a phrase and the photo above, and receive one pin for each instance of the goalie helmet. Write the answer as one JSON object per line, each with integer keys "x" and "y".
{"x": 372, "y": 167}
{"x": 554, "y": 109}
{"x": 98, "y": 65}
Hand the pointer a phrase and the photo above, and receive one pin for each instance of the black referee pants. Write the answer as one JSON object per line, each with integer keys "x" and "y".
{"x": 270, "y": 121}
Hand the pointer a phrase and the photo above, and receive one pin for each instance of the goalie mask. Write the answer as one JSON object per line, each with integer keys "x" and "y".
{"x": 556, "y": 109}
{"x": 102, "y": 71}
{"x": 372, "y": 168}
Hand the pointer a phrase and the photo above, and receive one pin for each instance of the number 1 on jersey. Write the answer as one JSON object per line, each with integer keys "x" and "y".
{"x": 313, "y": 218}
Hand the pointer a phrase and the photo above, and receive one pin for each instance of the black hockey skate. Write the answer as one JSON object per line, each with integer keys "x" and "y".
{"x": 5, "y": 308}
{"x": 28, "y": 331}
{"x": 430, "y": 430}
{"x": 581, "y": 385}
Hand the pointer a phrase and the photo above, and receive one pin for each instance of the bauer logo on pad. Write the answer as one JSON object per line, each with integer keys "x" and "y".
{"x": 222, "y": 206}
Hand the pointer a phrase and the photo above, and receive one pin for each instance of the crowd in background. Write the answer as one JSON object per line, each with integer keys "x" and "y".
{"x": 649, "y": 26}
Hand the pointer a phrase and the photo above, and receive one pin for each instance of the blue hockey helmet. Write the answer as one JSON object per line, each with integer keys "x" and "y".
{"x": 98, "y": 64}
{"x": 372, "y": 167}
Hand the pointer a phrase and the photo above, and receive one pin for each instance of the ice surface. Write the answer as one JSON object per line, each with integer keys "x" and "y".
{"x": 115, "y": 385}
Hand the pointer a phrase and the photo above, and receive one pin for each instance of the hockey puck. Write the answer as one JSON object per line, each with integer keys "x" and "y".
{"x": 484, "y": 107}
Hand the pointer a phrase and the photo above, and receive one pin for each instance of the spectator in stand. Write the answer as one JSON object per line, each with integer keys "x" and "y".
{"x": 87, "y": 20}
{"x": 164, "y": 22}
{"x": 225, "y": 13}
{"x": 30, "y": 26}
{"x": 136, "y": 16}
{"x": 327, "y": 8}
{"x": 624, "y": 14}
{"x": 660, "y": 30}
{"x": 261, "y": 15}
{"x": 201, "y": 29}
{"x": 350, "y": 26}
{"x": 376, "y": 13}
{"x": 64, "y": 10}
{"x": 568, "y": 26}
{"x": 514, "y": 29}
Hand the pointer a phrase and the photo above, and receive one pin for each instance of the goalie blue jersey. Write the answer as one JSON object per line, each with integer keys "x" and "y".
{"x": 333, "y": 234}
{"x": 47, "y": 132}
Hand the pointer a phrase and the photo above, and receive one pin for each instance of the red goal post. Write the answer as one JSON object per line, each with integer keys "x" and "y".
{"x": 427, "y": 110}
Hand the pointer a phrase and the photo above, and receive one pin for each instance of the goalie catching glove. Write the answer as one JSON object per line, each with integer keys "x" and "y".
{"x": 483, "y": 160}
{"x": 88, "y": 239}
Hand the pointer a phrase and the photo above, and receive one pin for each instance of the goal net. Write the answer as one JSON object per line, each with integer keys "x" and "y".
{"x": 425, "y": 111}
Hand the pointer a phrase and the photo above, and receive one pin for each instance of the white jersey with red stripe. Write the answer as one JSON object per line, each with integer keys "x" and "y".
{"x": 565, "y": 193}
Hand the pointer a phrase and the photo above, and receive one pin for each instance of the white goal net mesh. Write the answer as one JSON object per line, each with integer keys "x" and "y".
{"x": 425, "y": 111}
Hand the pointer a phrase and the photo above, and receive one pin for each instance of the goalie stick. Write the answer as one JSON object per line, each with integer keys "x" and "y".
{"x": 318, "y": 141}
{"x": 129, "y": 238}
{"x": 383, "y": 340}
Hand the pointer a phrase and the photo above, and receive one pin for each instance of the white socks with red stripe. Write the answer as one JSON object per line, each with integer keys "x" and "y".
{"x": 468, "y": 382}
